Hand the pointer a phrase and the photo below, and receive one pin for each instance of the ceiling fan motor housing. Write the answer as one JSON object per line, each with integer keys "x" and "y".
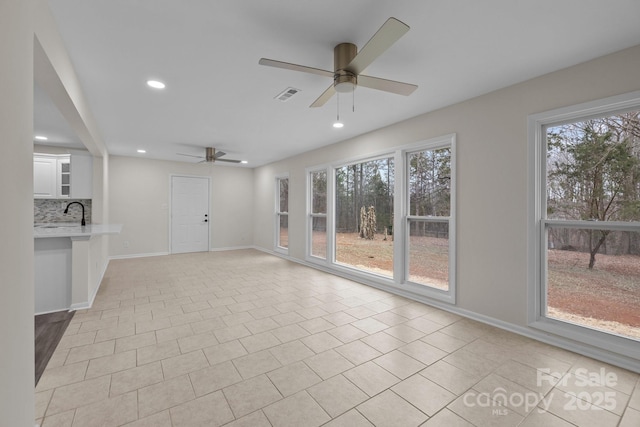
{"x": 210, "y": 154}
{"x": 344, "y": 81}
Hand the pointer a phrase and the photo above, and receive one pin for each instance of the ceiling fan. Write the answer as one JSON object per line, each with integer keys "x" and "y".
{"x": 348, "y": 63}
{"x": 211, "y": 156}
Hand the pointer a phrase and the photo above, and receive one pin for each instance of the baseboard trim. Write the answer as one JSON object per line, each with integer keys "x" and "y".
{"x": 154, "y": 254}
{"x": 80, "y": 306}
{"x": 231, "y": 248}
{"x": 138, "y": 255}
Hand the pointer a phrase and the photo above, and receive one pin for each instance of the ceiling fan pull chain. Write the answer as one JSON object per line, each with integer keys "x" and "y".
{"x": 338, "y": 114}
{"x": 353, "y": 101}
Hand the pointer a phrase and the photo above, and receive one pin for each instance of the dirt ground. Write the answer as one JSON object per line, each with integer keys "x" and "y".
{"x": 607, "y": 297}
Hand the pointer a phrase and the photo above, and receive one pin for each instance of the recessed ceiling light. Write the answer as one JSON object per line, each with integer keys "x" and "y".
{"x": 142, "y": 151}
{"x": 156, "y": 84}
{"x": 338, "y": 125}
{"x": 244, "y": 162}
{"x": 41, "y": 138}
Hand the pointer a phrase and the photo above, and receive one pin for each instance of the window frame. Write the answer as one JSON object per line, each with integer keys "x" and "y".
{"x": 449, "y": 296}
{"x": 332, "y": 249}
{"x": 538, "y": 224}
{"x": 311, "y": 214}
{"x": 397, "y": 282}
{"x": 279, "y": 214}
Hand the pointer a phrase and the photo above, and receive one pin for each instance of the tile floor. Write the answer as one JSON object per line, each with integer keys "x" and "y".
{"x": 243, "y": 338}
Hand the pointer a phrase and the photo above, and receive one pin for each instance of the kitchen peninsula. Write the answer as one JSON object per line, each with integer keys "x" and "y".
{"x": 67, "y": 271}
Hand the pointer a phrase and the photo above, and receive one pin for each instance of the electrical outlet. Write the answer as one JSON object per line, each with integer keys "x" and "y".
{"x": 125, "y": 243}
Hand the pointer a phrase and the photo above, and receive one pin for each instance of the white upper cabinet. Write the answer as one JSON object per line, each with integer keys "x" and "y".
{"x": 44, "y": 177}
{"x": 62, "y": 176}
{"x": 81, "y": 176}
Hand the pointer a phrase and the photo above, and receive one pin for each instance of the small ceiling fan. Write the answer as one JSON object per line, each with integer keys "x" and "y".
{"x": 348, "y": 63}
{"x": 211, "y": 156}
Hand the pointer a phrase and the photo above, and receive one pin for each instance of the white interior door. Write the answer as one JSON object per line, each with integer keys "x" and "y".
{"x": 189, "y": 214}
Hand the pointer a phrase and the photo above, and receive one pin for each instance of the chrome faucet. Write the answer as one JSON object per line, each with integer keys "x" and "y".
{"x": 83, "y": 223}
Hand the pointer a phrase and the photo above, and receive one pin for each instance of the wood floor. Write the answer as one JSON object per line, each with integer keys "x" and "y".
{"x": 49, "y": 329}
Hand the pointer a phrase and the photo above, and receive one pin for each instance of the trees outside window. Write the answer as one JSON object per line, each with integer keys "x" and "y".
{"x": 593, "y": 174}
{"x": 591, "y": 222}
{"x": 429, "y": 198}
{"x": 282, "y": 213}
{"x": 367, "y": 186}
{"x": 318, "y": 214}
{"x": 358, "y": 227}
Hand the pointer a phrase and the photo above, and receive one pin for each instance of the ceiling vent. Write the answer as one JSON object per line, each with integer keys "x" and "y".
{"x": 286, "y": 94}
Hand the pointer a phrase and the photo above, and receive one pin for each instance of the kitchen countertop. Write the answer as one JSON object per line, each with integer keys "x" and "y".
{"x": 58, "y": 229}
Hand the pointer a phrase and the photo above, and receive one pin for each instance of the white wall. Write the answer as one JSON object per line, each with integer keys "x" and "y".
{"x": 140, "y": 199}
{"x": 16, "y": 213}
{"x": 55, "y": 74}
{"x": 492, "y": 176}
{"x": 31, "y": 48}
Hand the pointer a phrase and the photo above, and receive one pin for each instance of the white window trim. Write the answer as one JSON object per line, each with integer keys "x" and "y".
{"x": 324, "y": 263}
{"x": 448, "y": 296}
{"x": 400, "y": 254}
{"x": 278, "y": 214}
{"x": 537, "y": 222}
{"x": 310, "y": 214}
{"x": 331, "y": 262}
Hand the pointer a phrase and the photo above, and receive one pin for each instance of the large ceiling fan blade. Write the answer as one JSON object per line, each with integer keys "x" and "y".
{"x": 322, "y": 99}
{"x": 227, "y": 160}
{"x": 386, "y": 85}
{"x": 387, "y": 35}
{"x": 219, "y": 154}
{"x": 295, "y": 67}
{"x": 190, "y": 155}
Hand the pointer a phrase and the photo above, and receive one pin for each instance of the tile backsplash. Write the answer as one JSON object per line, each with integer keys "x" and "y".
{"x": 52, "y": 210}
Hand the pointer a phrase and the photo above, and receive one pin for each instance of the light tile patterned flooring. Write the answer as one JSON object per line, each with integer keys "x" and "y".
{"x": 243, "y": 338}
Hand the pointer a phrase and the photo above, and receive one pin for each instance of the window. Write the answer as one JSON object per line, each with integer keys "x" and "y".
{"x": 363, "y": 222}
{"x": 318, "y": 214}
{"x": 428, "y": 217}
{"x": 364, "y": 215}
{"x": 586, "y": 268}
{"x": 282, "y": 213}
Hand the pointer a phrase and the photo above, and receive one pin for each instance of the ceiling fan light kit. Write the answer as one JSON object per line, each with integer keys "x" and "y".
{"x": 344, "y": 81}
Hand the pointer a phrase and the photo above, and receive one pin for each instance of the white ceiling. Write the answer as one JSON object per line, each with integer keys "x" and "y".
{"x": 217, "y": 95}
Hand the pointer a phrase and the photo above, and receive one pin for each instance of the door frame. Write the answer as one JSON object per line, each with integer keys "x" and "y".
{"x": 170, "y": 231}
